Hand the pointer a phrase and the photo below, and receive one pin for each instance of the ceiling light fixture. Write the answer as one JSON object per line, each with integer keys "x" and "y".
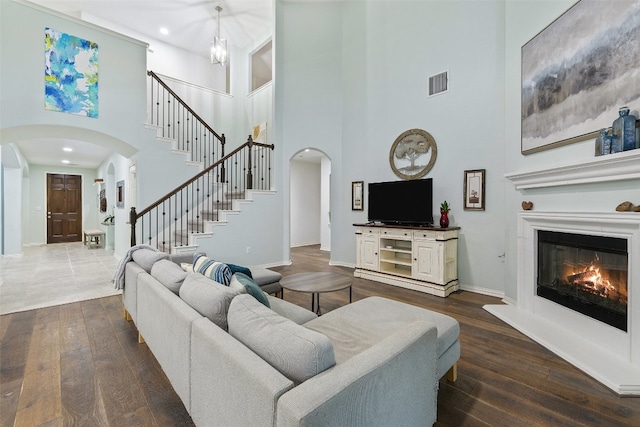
{"x": 67, "y": 149}
{"x": 218, "y": 45}
{"x": 65, "y": 161}
{"x": 164, "y": 31}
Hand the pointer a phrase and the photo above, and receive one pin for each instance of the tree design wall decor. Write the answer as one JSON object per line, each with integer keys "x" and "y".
{"x": 413, "y": 154}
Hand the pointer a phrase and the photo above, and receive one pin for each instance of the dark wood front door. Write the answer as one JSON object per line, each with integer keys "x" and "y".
{"x": 64, "y": 208}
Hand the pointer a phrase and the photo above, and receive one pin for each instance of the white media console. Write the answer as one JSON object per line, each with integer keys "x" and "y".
{"x": 424, "y": 259}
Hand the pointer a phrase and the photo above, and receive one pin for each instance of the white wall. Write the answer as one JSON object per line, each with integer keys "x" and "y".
{"x": 325, "y": 204}
{"x": 305, "y": 203}
{"x": 14, "y": 170}
{"x": 12, "y": 182}
{"x": 1, "y": 207}
{"x": 169, "y": 60}
{"x": 122, "y": 104}
{"x": 352, "y": 76}
{"x": 121, "y": 72}
{"x": 307, "y": 98}
{"x": 121, "y": 228}
{"x": 255, "y": 228}
{"x": 524, "y": 19}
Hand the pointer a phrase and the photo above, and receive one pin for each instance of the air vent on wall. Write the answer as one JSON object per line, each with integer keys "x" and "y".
{"x": 439, "y": 83}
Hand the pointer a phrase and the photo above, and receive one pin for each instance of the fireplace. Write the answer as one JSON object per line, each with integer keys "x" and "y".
{"x": 586, "y": 273}
{"x": 557, "y": 257}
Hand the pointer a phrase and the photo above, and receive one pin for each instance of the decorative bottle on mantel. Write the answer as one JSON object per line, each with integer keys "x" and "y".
{"x": 601, "y": 146}
{"x": 613, "y": 142}
{"x": 624, "y": 127}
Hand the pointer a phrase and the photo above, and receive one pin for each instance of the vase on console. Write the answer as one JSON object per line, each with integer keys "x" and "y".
{"x": 444, "y": 214}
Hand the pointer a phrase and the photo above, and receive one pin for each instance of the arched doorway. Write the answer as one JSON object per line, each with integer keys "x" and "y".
{"x": 309, "y": 199}
{"x": 43, "y": 139}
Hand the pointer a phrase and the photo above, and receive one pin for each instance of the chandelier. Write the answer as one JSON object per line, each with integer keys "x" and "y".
{"x": 218, "y": 45}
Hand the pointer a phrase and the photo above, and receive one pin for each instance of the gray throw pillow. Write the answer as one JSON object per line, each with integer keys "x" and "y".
{"x": 208, "y": 297}
{"x": 145, "y": 258}
{"x": 170, "y": 274}
{"x": 296, "y": 352}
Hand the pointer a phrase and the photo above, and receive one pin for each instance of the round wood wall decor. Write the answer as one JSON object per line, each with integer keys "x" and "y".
{"x": 413, "y": 154}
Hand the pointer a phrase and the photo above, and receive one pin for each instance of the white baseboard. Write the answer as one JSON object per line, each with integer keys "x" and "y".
{"x": 510, "y": 301}
{"x": 482, "y": 291}
{"x": 342, "y": 264}
{"x": 275, "y": 264}
{"x": 299, "y": 245}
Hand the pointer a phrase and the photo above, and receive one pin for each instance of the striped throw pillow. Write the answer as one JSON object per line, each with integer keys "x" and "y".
{"x": 214, "y": 270}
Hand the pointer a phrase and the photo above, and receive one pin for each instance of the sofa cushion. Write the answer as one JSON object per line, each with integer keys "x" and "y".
{"x": 250, "y": 287}
{"x": 145, "y": 258}
{"x": 291, "y": 311}
{"x": 263, "y": 276}
{"x": 182, "y": 257}
{"x": 373, "y": 319}
{"x": 212, "y": 269}
{"x": 207, "y": 297}
{"x": 170, "y": 274}
{"x": 297, "y": 352}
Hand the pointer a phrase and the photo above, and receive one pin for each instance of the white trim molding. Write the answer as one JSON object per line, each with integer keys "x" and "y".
{"x": 613, "y": 167}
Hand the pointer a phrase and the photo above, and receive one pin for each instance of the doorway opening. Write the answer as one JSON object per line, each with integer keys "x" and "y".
{"x": 309, "y": 199}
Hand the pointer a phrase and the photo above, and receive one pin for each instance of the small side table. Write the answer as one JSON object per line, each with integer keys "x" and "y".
{"x": 94, "y": 237}
{"x": 316, "y": 283}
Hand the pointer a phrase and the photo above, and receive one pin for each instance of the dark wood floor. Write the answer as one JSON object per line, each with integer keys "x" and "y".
{"x": 80, "y": 364}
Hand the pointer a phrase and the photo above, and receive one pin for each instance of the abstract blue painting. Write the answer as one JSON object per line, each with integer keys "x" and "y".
{"x": 71, "y": 74}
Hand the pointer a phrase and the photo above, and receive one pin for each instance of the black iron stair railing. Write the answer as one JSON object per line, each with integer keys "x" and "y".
{"x": 178, "y": 122}
{"x": 167, "y": 223}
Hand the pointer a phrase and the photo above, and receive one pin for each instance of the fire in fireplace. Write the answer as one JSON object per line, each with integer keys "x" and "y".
{"x": 585, "y": 273}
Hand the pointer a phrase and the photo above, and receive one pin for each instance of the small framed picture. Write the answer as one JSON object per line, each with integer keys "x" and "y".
{"x": 474, "y": 190}
{"x": 120, "y": 194}
{"x": 357, "y": 195}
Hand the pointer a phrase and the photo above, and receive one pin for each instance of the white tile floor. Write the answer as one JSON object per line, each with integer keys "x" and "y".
{"x": 55, "y": 274}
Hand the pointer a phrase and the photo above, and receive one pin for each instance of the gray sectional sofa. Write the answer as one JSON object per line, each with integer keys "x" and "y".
{"x": 236, "y": 362}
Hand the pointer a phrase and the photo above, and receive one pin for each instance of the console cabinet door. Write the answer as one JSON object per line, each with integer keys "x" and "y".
{"x": 367, "y": 256}
{"x": 427, "y": 260}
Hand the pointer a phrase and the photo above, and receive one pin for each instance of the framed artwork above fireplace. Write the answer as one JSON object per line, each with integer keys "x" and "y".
{"x": 577, "y": 73}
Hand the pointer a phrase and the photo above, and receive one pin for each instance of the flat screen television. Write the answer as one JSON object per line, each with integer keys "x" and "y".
{"x": 401, "y": 202}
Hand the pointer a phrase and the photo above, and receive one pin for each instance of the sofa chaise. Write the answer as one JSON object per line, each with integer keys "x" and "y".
{"x": 235, "y": 360}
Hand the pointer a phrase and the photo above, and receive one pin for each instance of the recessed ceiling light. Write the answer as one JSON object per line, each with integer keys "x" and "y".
{"x": 67, "y": 149}
{"x": 307, "y": 150}
{"x": 164, "y": 30}
{"x": 65, "y": 161}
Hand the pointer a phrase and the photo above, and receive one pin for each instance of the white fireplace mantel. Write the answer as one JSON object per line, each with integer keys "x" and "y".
{"x": 579, "y": 339}
{"x": 613, "y": 167}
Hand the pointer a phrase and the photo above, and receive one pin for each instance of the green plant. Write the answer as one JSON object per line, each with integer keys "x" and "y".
{"x": 109, "y": 218}
{"x": 444, "y": 207}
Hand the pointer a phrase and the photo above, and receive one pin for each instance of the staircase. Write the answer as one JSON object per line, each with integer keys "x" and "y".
{"x": 175, "y": 222}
